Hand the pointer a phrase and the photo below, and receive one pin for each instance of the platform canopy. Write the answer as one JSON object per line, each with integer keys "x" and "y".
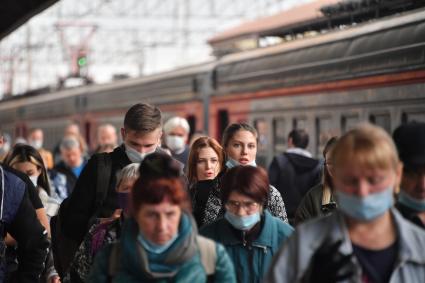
{"x": 14, "y": 13}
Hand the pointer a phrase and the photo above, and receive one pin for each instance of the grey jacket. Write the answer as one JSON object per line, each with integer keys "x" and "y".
{"x": 292, "y": 261}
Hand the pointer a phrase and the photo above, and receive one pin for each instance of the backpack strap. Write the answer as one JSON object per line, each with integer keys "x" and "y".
{"x": 207, "y": 249}
{"x": 104, "y": 168}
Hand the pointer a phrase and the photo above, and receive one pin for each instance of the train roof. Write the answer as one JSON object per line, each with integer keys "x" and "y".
{"x": 291, "y": 17}
{"x": 192, "y": 70}
{"x": 386, "y": 23}
{"x": 14, "y": 13}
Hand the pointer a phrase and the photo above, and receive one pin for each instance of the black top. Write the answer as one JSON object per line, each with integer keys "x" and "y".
{"x": 200, "y": 192}
{"x": 32, "y": 191}
{"x": 182, "y": 157}
{"x": 410, "y": 214}
{"x": 377, "y": 265}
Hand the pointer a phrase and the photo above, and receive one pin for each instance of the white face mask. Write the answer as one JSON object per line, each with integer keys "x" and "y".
{"x": 134, "y": 155}
{"x": 37, "y": 144}
{"x": 34, "y": 180}
{"x": 175, "y": 143}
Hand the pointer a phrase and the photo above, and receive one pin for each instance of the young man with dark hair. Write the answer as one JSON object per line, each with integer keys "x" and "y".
{"x": 141, "y": 136}
{"x": 295, "y": 171}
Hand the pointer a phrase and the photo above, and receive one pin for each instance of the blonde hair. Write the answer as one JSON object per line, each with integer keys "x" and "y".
{"x": 367, "y": 146}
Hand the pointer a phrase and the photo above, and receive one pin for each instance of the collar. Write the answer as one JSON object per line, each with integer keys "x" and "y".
{"x": 411, "y": 246}
{"x": 266, "y": 236}
{"x": 299, "y": 151}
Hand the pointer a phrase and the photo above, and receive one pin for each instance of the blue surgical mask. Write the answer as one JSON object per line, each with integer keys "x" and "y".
{"x": 134, "y": 155}
{"x": 365, "y": 208}
{"x": 411, "y": 202}
{"x": 243, "y": 223}
{"x": 123, "y": 201}
{"x": 152, "y": 247}
{"x": 233, "y": 163}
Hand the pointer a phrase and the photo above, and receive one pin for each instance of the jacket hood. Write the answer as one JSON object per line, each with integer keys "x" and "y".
{"x": 302, "y": 163}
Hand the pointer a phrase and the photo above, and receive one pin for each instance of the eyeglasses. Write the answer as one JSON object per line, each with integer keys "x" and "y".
{"x": 248, "y": 206}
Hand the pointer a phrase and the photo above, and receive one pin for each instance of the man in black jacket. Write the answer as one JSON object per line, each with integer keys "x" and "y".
{"x": 141, "y": 136}
{"x": 294, "y": 172}
{"x": 18, "y": 218}
{"x": 410, "y": 141}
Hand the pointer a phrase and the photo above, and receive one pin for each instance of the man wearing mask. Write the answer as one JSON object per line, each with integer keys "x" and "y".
{"x": 410, "y": 142}
{"x": 176, "y": 131}
{"x": 141, "y": 136}
{"x": 35, "y": 139}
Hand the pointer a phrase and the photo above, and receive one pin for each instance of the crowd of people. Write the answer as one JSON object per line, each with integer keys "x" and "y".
{"x": 154, "y": 205}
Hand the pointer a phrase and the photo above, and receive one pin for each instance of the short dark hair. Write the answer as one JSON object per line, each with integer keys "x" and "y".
{"x": 247, "y": 180}
{"x": 299, "y": 138}
{"x": 232, "y": 129}
{"x": 160, "y": 178}
{"x": 143, "y": 117}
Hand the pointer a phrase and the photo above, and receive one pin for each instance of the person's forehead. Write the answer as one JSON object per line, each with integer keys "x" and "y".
{"x": 207, "y": 152}
{"x": 243, "y": 136}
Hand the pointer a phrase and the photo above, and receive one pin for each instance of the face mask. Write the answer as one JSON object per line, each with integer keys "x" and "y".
{"x": 233, "y": 163}
{"x": 34, "y": 180}
{"x": 243, "y": 223}
{"x": 174, "y": 143}
{"x": 154, "y": 248}
{"x": 37, "y": 144}
{"x": 134, "y": 155}
{"x": 411, "y": 202}
{"x": 365, "y": 208}
{"x": 123, "y": 201}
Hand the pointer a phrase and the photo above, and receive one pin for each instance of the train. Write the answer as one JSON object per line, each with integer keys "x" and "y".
{"x": 372, "y": 71}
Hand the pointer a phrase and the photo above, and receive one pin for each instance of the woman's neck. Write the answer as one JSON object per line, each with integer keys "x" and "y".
{"x": 375, "y": 235}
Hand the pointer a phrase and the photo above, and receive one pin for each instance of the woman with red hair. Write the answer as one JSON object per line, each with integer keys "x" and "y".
{"x": 160, "y": 242}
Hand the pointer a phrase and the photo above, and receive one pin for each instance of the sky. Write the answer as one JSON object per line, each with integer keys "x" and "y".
{"x": 126, "y": 37}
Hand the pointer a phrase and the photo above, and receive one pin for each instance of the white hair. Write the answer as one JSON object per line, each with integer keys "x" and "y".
{"x": 176, "y": 122}
{"x": 131, "y": 171}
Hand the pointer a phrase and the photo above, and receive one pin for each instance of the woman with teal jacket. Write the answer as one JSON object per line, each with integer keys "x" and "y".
{"x": 160, "y": 243}
{"x": 250, "y": 234}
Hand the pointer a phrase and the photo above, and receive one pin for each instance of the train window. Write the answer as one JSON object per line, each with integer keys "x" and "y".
{"x": 223, "y": 121}
{"x": 191, "y": 119}
{"x": 348, "y": 122}
{"x": 414, "y": 116}
{"x": 383, "y": 120}
{"x": 279, "y": 135}
{"x": 299, "y": 123}
{"x": 324, "y": 131}
{"x": 263, "y": 140}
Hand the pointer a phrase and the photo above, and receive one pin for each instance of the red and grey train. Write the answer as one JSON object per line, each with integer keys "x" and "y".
{"x": 374, "y": 71}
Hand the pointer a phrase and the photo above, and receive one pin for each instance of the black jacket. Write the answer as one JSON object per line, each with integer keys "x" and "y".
{"x": 293, "y": 175}
{"x": 79, "y": 207}
{"x": 25, "y": 228}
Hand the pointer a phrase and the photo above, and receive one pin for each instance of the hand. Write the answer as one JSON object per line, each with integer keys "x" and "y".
{"x": 328, "y": 265}
{"x": 54, "y": 279}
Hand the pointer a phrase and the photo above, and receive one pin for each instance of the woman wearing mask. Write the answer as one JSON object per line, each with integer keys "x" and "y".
{"x": 319, "y": 200}
{"x": 27, "y": 160}
{"x": 105, "y": 231}
{"x": 206, "y": 160}
{"x": 240, "y": 145}
{"x": 251, "y": 235}
{"x": 159, "y": 243}
{"x": 365, "y": 240}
